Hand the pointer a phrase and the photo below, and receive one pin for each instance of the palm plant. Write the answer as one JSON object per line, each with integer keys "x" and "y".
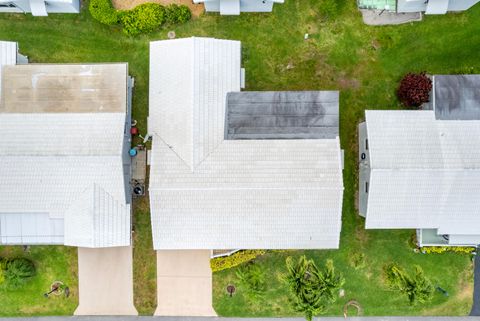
{"x": 418, "y": 288}
{"x": 311, "y": 288}
{"x": 251, "y": 278}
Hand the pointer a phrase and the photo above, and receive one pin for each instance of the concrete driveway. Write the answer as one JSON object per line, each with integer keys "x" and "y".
{"x": 105, "y": 281}
{"x": 184, "y": 283}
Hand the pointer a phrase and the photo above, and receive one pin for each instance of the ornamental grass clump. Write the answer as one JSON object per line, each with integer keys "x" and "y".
{"x": 414, "y": 89}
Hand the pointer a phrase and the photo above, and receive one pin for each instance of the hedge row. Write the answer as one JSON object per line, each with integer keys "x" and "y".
{"x": 444, "y": 249}
{"x": 237, "y": 258}
{"x": 144, "y": 18}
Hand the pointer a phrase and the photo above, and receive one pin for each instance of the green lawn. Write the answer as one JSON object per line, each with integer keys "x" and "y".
{"x": 365, "y": 63}
{"x": 53, "y": 263}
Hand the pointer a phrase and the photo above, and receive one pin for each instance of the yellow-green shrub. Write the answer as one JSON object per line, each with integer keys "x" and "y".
{"x": 444, "y": 249}
{"x": 227, "y": 262}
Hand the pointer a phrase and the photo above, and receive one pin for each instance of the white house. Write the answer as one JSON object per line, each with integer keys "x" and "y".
{"x": 40, "y": 7}
{"x": 234, "y": 7}
{"x": 421, "y": 169}
{"x": 238, "y": 170}
{"x": 434, "y": 6}
{"x": 65, "y": 169}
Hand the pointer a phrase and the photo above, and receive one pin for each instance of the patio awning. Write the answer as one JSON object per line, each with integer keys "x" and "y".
{"x": 437, "y": 7}
{"x": 38, "y": 8}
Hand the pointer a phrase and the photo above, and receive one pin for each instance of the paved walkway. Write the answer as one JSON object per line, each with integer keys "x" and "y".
{"x": 184, "y": 283}
{"x": 476, "y": 287}
{"x": 105, "y": 281}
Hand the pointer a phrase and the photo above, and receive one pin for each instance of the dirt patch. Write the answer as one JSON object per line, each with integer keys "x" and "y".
{"x": 197, "y": 9}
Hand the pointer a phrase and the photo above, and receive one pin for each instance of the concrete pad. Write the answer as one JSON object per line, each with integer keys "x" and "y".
{"x": 382, "y": 18}
{"x": 105, "y": 281}
{"x": 184, "y": 283}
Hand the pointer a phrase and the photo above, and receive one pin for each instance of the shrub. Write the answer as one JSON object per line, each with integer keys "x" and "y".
{"x": 444, "y": 249}
{"x": 414, "y": 89}
{"x": 143, "y": 18}
{"x": 311, "y": 289}
{"x": 18, "y": 271}
{"x": 418, "y": 288}
{"x": 251, "y": 278}
{"x": 103, "y": 11}
{"x": 227, "y": 262}
{"x": 177, "y": 14}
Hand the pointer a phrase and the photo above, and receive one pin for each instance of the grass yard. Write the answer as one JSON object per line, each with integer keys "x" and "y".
{"x": 53, "y": 263}
{"x": 364, "y": 62}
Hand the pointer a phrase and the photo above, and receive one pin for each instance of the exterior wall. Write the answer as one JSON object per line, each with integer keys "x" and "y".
{"x": 52, "y": 6}
{"x": 245, "y": 6}
{"x": 430, "y": 237}
{"x": 473, "y": 240}
{"x": 364, "y": 169}
{"x": 461, "y": 5}
{"x": 421, "y": 5}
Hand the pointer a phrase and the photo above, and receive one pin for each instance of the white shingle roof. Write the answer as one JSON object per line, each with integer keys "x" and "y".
{"x": 189, "y": 81}
{"x": 425, "y": 173}
{"x": 8, "y": 57}
{"x": 51, "y": 158}
{"x": 211, "y": 193}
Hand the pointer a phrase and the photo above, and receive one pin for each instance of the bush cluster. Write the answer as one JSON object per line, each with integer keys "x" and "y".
{"x": 103, "y": 11}
{"x": 144, "y": 18}
{"x": 414, "y": 89}
{"x": 227, "y": 262}
{"x": 177, "y": 14}
{"x": 444, "y": 249}
{"x": 15, "y": 272}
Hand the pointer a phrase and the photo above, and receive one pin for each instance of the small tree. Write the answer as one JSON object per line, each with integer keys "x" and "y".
{"x": 414, "y": 89}
{"x": 311, "y": 288}
{"x": 418, "y": 288}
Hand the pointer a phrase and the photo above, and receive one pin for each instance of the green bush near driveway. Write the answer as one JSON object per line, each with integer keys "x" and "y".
{"x": 237, "y": 258}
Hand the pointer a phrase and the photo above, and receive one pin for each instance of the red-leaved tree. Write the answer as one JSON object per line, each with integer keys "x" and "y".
{"x": 414, "y": 89}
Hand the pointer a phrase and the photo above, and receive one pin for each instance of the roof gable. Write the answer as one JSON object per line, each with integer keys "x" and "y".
{"x": 189, "y": 80}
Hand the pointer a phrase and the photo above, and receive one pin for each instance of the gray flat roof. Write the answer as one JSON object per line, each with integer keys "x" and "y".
{"x": 282, "y": 115}
{"x": 457, "y": 97}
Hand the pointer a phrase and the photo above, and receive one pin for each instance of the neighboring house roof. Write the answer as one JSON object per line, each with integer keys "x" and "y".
{"x": 282, "y": 115}
{"x": 457, "y": 97}
{"x": 61, "y": 155}
{"x": 425, "y": 172}
{"x": 207, "y": 192}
